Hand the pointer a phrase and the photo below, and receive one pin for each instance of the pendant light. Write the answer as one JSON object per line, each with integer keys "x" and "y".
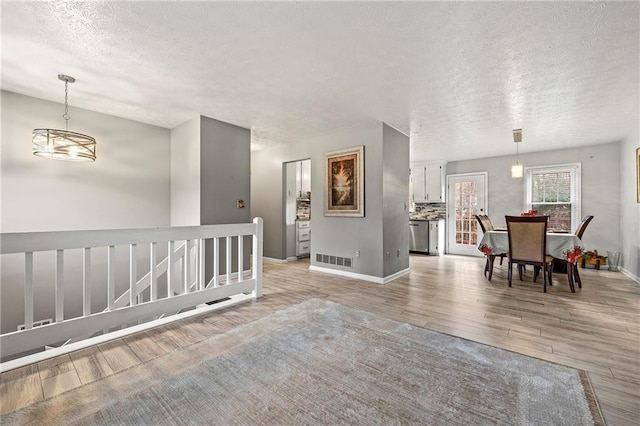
{"x": 63, "y": 144}
{"x": 517, "y": 169}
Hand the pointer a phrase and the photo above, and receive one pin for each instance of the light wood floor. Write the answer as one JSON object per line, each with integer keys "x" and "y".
{"x": 596, "y": 329}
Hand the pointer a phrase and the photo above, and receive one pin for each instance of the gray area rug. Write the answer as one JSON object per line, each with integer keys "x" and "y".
{"x": 322, "y": 363}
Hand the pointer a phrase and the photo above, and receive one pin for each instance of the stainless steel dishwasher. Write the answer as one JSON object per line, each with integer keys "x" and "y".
{"x": 419, "y": 236}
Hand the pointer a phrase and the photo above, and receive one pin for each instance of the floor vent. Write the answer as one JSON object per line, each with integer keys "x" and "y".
{"x": 213, "y": 302}
{"x": 334, "y": 260}
{"x": 37, "y": 323}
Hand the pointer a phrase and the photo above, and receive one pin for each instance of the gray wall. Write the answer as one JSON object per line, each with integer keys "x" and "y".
{"x": 127, "y": 187}
{"x": 225, "y": 177}
{"x": 290, "y": 209}
{"x": 267, "y": 186}
{"x": 600, "y": 187}
{"x": 395, "y": 183}
{"x": 342, "y": 236}
{"x": 225, "y": 167}
{"x": 630, "y": 216}
{"x": 185, "y": 173}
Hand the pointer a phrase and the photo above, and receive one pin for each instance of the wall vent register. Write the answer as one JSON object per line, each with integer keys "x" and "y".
{"x": 334, "y": 260}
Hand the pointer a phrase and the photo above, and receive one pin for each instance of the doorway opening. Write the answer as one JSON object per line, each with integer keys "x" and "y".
{"x": 297, "y": 208}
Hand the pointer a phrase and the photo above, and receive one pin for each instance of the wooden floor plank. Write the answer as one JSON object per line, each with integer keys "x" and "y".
{"x": 20, "y": 388}
{"x": 144, "y": 347}
{"x": 55, "y": 385}
{"x": 54, "y": 366}
{"x": 595, "y": 329}
{"x": 90, "y": 364}
{"x": 118, "y": 355}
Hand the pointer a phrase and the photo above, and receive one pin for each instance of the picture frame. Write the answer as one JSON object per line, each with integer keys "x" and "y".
{"x": 638, "y": 175}
{"x": 343, "y": 183}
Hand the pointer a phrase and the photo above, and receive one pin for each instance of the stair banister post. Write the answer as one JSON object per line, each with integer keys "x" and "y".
{"x": 257, "y": 257}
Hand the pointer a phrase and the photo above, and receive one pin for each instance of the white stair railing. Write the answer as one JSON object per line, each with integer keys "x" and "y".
{"x": 182, "y": 275}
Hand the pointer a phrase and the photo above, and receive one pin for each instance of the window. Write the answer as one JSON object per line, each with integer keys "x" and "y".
{"x": 555, "y": 191}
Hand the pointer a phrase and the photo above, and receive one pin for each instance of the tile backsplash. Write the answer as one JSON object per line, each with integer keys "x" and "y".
{"x": 303, "y": 209}
{"x": 428, "y": 211}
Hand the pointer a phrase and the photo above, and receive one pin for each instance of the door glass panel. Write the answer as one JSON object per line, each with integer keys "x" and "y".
{"x": 465, "y": 209}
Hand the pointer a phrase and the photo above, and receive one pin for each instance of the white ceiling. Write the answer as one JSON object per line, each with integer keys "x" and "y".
{"x": 456, "y": 76}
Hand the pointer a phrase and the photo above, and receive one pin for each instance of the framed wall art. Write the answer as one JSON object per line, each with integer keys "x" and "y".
{"x": 638, "y": 175}
{"x": 343, "y": 187}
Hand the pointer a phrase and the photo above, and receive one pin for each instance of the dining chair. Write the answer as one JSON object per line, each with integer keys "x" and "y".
{"x": 528, "y": 245}
{"x": 572, "y": 269}
{"x": 486, "y": 225}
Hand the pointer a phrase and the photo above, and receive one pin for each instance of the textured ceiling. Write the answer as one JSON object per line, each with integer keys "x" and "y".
{"x": 456, "y": 76}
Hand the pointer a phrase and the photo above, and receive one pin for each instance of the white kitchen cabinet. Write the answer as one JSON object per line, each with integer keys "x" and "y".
{"x": 303, "y": 178}
{"x": 434, "y": 182}
{"x": 427, "y": 182}
{"x": 417, "y": 179}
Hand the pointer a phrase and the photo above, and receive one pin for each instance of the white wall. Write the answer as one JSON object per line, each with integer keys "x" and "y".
{"x": 185, "y": 173}
{"x": 128, "y": 186}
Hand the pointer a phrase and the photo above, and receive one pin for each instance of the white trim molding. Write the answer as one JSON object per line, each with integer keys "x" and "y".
{"x": 363, "y": 277}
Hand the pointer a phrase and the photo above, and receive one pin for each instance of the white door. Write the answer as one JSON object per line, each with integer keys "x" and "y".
{"x": 467, "y": 196}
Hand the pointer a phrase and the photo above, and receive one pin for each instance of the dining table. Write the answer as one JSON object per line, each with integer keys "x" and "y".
{"x": 560, "y": 245}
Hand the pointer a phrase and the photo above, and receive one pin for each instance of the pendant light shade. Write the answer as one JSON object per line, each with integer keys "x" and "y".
{"x": 63, "y": 144}
{"x": 517, "y": 169}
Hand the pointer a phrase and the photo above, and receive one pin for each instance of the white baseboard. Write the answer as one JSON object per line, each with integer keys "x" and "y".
{"x": 363, "y": 277}
{"x": 630, "y": 275}
{"x": 274, "y": 260}
{"x": 398, "y": 274}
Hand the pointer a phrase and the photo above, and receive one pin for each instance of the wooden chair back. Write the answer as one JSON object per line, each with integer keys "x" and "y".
{"x": 527, "y": 238}
{"x": 485, "y": 222}
{"x": 583, "y": 225}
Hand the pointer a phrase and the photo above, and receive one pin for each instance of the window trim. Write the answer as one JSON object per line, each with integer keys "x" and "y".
{"x": 575, "y": 169}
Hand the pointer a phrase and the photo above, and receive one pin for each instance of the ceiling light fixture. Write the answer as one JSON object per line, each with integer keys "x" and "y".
{"x": 63, "y": 144}
{"x": 517, "y": 169}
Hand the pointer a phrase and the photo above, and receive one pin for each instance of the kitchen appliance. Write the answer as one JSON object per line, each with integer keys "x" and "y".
{"x": 419, "y": 236}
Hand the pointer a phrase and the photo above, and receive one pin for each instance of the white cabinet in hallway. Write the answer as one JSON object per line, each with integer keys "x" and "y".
{"x": 303, "y": 238}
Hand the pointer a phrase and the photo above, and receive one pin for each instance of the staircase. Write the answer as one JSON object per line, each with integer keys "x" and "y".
{"x": 167, "y": 274}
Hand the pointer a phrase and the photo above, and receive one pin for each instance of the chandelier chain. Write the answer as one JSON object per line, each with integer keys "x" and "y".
{"x": 66, "y": 115}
